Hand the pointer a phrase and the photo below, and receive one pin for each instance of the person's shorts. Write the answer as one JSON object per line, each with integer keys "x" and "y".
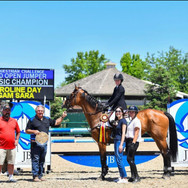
{"x": 10, "y": 154}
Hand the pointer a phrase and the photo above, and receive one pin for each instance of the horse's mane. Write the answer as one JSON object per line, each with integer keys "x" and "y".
{"x": 92, "y": 100}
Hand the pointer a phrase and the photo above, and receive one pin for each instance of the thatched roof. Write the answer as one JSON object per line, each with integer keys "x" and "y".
{"x": 102, "y": 84}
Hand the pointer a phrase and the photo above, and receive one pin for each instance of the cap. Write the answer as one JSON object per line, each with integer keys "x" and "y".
{"x": 118, "y": 76}
{"x": 133, "y": 108}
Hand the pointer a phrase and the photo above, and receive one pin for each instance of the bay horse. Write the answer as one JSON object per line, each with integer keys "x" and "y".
{"x": 154, "y": 122}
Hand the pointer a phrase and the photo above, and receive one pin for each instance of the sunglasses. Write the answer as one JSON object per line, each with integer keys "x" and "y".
{"x": 118, "y": 111}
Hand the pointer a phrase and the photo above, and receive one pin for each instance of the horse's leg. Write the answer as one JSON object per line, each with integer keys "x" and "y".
{"x": 102, "y": 149}
{"x": 167, "y": 164}
{"x": 162, "y": 145}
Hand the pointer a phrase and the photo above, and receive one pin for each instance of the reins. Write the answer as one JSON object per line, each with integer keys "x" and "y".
{"x": 96, "y": 112}
{"x": 91, "y": 97}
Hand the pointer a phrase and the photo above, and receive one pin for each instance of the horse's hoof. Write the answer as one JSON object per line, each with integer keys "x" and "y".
{"x": 101, "y": 178}
{"x": 166, "y": 176}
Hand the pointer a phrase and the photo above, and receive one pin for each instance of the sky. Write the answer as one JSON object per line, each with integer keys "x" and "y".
{"x": 48, "y": 34}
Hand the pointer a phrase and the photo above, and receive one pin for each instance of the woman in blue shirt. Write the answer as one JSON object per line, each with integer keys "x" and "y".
{"x": 119, "y": 144}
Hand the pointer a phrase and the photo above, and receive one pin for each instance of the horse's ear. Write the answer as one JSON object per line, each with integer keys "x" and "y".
{"x": 76, "y": 87}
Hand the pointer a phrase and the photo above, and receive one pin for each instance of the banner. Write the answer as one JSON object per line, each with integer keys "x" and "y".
{"x": 179, "y": 110}
{"x": 26, "y": 84}
{"x": 22, "y": 112}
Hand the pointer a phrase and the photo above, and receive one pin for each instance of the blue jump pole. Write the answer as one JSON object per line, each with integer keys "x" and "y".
{"x": 148, "y": 140}
{"x": 72, "y": 141}
{"x": 88, "y": 140}
{"x": 69, "y": 130}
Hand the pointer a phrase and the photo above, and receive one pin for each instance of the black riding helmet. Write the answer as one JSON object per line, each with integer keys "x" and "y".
{"x": 133, "y": 108}
{"x": 118, "y": 76}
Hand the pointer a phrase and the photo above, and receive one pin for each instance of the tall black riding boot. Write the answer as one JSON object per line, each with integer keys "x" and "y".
{"x": 135, "y": 178}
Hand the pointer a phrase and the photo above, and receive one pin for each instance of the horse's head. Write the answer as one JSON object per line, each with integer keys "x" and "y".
{"x": 75, "y": 98}
{"x": 79, "y": 96}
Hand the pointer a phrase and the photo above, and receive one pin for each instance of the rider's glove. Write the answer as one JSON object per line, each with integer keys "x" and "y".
{"x": 105, "y": 107}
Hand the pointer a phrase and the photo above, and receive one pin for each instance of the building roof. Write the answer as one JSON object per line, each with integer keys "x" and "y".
{"x": 102, "y": 84}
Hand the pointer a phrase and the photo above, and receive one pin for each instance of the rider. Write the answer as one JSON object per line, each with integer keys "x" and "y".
{"x": 117, "y": 99}
{"x": 133, "y": 137}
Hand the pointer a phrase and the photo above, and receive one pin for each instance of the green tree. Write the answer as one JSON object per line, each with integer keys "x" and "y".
{"x": 134, "y": 65}
{"x": 56, "y": 108}
{"x": 84, "y": 65}
{"x": 175, "y": 63}
{"x": 161, "y": 91}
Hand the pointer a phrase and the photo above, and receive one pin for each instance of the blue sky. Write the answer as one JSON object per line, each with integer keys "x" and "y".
{"x": 48, "y": 34}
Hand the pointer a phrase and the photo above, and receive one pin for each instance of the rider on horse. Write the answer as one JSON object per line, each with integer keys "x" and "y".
{"x": 117, "y": 99}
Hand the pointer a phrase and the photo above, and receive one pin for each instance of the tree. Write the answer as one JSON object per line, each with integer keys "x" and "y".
{"x": 183, "y": 76}
{"x": 84, "y": 65}
{"x": 161, "y": 91}
{"x": 175, "y": 63}
{"x": 56, "y": 108}
{"x": 134, "y": 65}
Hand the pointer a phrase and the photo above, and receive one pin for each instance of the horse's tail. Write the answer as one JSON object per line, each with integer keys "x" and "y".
{"x": 173, "y": 136}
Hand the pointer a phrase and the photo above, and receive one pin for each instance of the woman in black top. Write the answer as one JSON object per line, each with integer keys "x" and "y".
{"x": 119, "y": 144}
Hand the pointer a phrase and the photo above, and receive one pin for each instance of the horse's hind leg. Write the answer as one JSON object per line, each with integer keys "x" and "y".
{"x": 102, "y": 149}
{"x": 167, "y": 164}
{"x": 162, "y": 145}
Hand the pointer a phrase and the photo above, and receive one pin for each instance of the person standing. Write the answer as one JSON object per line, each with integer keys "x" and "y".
{"x": 119, "y": 144}
{"x": 117, "y": 99}
{"x": 8, "y": 140}
{"x": 38, "y": 152}
{"x": 133, "y": 136}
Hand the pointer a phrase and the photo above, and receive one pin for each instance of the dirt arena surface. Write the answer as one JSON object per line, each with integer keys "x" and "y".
{"x": 67, "y": 175}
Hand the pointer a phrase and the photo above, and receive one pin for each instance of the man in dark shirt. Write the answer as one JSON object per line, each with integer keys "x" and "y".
{"x": 38, "y": 152}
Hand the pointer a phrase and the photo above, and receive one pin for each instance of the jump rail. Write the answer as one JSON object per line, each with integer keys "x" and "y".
{"x": 88, "y": 140}
{"x": 69, "y": 130}
{"x": 81, "y": 131}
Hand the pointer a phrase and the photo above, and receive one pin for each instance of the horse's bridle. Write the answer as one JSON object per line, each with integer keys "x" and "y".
{"x": 68, "y": 101}
{"x": 74, "y": 97}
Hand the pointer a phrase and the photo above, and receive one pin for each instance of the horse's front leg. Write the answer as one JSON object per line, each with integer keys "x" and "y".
{"x": 102, "y": 149}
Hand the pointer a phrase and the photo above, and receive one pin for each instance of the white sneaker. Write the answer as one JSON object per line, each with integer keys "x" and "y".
{"x": 122, "y": 181}
{"x": 116, "y": 180}
{"x": 12, "y": 180}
